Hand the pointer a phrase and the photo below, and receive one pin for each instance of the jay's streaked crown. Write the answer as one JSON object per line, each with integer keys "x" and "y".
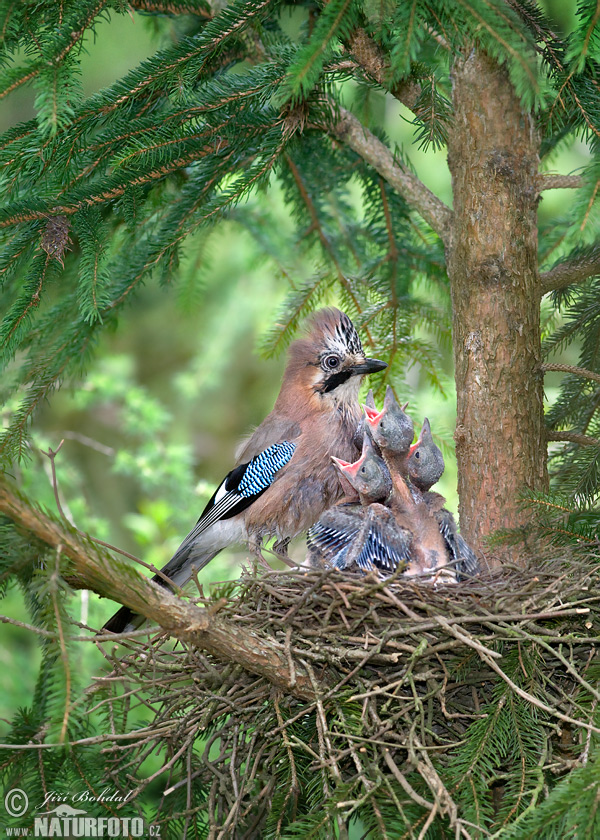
{"x": 333, "y": 347}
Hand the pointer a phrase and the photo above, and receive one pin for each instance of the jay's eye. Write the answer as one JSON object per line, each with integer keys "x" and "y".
{"x": 331, "y": 362}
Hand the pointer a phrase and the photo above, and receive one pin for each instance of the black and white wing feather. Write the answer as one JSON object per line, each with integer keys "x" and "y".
{"x": 330, "y": 538}
{"x": 464, "y": 558}
{"x": 242, "y": 486}
{"x": 387, "y": 546}
{"x": 349, "y": 536}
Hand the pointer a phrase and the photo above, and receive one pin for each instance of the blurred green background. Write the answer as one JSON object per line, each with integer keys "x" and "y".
{"x": 154, "y": 426}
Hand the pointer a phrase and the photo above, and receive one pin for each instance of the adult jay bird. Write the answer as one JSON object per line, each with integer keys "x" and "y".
{"x": 284, "y": 477}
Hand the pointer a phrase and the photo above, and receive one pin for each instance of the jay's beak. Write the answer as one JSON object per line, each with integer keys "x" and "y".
{"x": 372, "y": 415}
{"x": 419, "y": 440}
{"x": 346, "y": 468}
{"x": 339, "y": 463}
{"x": 369, "y": 366}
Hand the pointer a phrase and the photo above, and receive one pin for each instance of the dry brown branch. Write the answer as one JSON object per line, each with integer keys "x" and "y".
{"x": 572, "y": 437}
{"x": 92, "y": 569}
{"x": 576, "y": 371}
{"x": 166, "y": 7}
{"x": 347, "y": 128}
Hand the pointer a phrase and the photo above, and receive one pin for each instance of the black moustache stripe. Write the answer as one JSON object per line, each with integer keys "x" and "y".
{"x": 332, "y": 382}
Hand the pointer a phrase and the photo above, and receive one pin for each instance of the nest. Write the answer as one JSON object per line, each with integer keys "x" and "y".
{"x": 439, "y": 711}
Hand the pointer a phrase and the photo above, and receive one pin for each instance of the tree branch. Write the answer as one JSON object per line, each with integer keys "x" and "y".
{"x": 575, "y": 270}
{"x": 169, "y": 8}
{"x": 94, "y": 569}
{"x": 577, "y": 371}
{"x": 352, "y": 132}
{"x": 559, "y": 182}
{"x": 572, "y": 437}
{"x": 374, "y": 63}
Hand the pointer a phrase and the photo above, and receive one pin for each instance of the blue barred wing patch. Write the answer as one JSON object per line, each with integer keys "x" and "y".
{"x": 240, "y": 488}
{"x": 261, "y": 470}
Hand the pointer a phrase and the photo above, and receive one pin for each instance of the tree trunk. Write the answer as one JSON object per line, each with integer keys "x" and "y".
{"x": 492, "y": 265}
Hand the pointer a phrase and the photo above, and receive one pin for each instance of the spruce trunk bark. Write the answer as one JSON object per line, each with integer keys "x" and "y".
{"x": 495, "y": 286}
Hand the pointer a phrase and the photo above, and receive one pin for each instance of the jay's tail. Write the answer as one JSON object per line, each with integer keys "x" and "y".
{"x": 189, "y": 555}
{"x": 125, "y": 619}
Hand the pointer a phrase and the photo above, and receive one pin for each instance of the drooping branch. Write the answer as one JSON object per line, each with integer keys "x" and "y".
{"x": 570, "y": 271}
{"x": 166, "y": 7}
{"x": 352, "y": 132}
{"x": 33, "y": 69}
{"x": 92, "y": 568}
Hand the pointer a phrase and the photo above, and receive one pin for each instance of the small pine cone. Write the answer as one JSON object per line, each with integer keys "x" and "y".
{"x": 55, "y": 238}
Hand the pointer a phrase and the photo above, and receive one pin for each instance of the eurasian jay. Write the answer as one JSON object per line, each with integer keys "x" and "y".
{"x": 284, "y": 477}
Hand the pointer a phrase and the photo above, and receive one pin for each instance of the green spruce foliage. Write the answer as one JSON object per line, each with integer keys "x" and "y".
{"x": 126, "y": 187}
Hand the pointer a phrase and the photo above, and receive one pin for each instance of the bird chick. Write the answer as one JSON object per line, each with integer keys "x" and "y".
{"x": 461, "y": 554}
{"x": 361, "y": 429}
{"x": 425, "y": 464}
{"x": 369, "y": 475}
{"x": 365, "y": 535}
{"x": 411, "y": 530}
{"x": 370, "y": 400}
{"x": 392, "y": 430}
